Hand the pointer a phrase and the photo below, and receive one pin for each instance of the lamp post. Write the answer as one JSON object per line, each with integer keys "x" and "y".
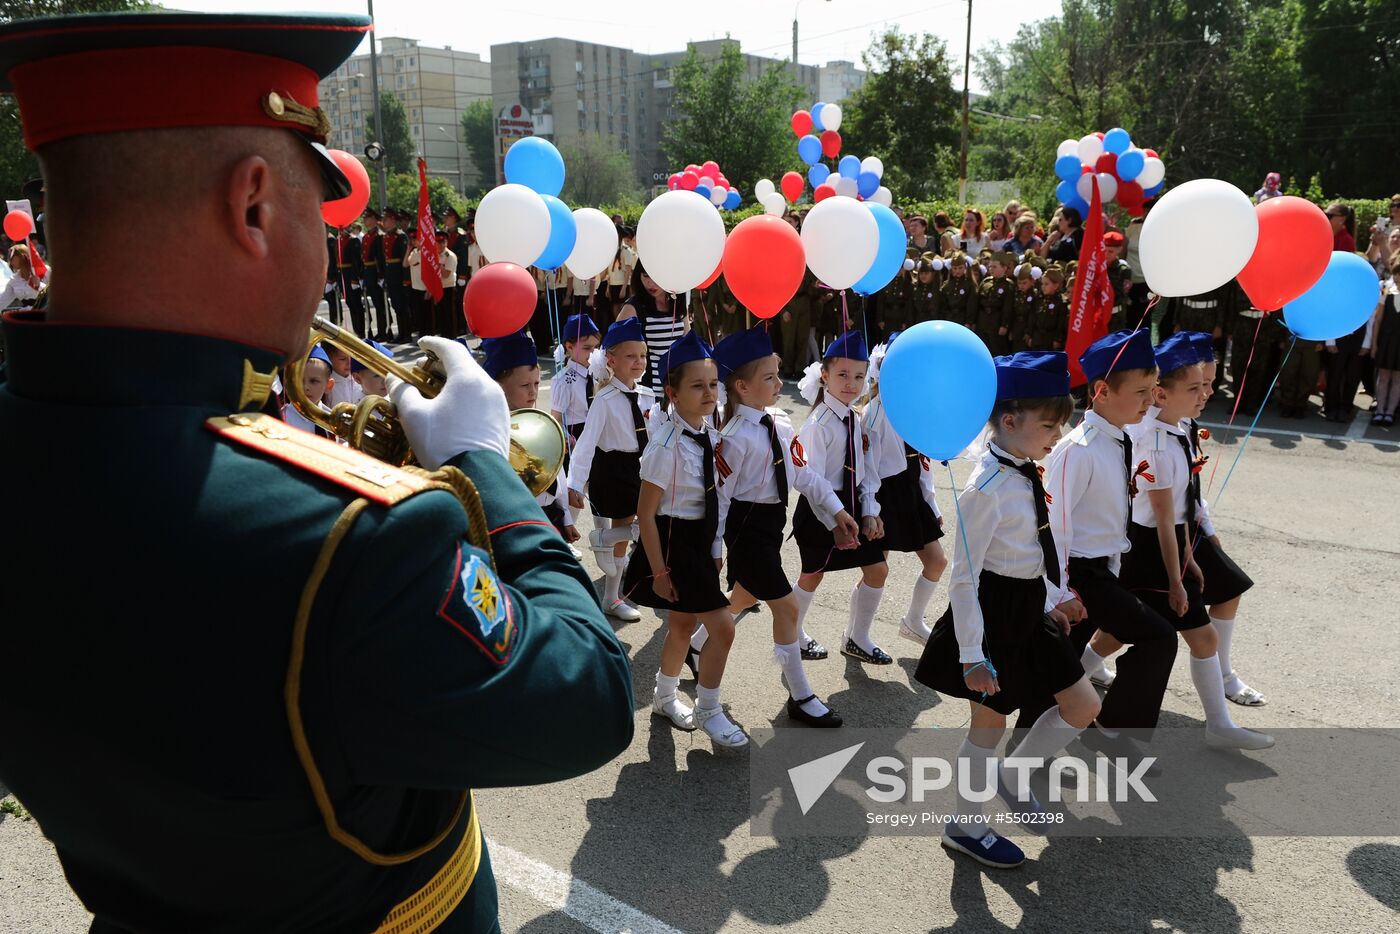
{"x": 796, "y": 68}
{"x": 967, "y": 101}
{"x": 379, "y": 117}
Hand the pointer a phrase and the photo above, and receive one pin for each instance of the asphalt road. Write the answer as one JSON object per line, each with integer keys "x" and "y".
{"x": 659, "y": 839}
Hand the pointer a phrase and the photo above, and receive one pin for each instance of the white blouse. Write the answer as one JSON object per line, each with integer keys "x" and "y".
{"x": 747, "y": 452}
{"x": 821, "y": 444}
{"x": 889, "y": 456}
{"x": 1161, "y": 465}
{"x": 609, "y": 427}
{"x": 1088, "y": 486}
{"x": 675, "y": 462}
{"x": 568, "y": 395}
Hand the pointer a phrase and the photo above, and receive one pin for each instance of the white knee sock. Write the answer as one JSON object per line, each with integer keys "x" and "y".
{"x": 1047, "y": 736}
{"x": 923, "y": 592}
{"x": 700, "y": 637}
{"x": 1225, "y": 629}
{"x": 1091, "y": 661}
{"x": 968, "y": 812}
{"x": 865, "y": 603}
{"x": 611, "y": 583}
{"x": 804, "y": 600}
{"x": 790, "y": 658}
{"x": 1205, "y": 674}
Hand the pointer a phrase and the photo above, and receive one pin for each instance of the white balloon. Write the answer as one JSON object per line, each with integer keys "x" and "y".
{"x": 1069, "y": 147}
{"x": 845, "y": 186}
{"x": 1153, "y": 171}
{"x": 1089, "y": 148}
{"x": 1197, "y": 238}
{"x": 841, "y": 237}
{"x": 679, "y": 240}
{"x": 774, "y": 203}
{"x": 1085, "y": 187}
{"x": 882, "y": 196}
{"x": 1108, "y": 186}
{"x": 908, "y": 264}
{"x": 831, "y": 116}
{"x": 717, "y": 196}
{"x": 871, "y": 164}
{"x": 596, "y": 244}
{"x": 764, "y": 187}
{"x": 512, "y": 225}
{"x": 707, "y": 182}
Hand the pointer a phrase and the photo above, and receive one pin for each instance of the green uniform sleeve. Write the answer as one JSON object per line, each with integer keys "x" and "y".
{"x": 430, "y": 693}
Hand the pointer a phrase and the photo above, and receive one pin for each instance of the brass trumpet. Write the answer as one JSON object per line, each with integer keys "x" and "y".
{"x": 536, "y": 441}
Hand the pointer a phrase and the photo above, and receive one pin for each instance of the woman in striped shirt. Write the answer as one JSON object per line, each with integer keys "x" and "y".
{"x": 663, "y": 320}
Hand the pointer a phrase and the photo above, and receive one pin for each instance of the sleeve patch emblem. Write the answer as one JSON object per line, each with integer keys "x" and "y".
{"x": 478, "y": 607}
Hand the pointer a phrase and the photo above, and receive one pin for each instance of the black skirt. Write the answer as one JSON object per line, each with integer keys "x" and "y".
{"x": 817, "y": 544}
{"x": 1387, "y": 351}
{"x": 1224, "y": 579}
{"x": 753, "y": 538}
{"x": 615, "y": 483}
{"x": 692, "y": 569}
{"x": 1145, "y": 574}
{"x": 909, "y": 522}
{"x": 1032, "y": 657}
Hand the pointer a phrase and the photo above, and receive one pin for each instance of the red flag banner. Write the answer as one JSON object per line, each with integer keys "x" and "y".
{"x": 1092, "y": 304}
{"x": 427, "y": 238}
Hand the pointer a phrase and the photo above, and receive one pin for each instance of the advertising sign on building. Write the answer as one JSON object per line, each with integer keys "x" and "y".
{"x": 512, "y": 123}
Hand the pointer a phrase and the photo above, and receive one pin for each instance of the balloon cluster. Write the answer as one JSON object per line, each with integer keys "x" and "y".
{"x": 1127, "y": 174}
{"x": 523, "y": 223}
{"x": 817, "y": 138}
{"x": 708, "y": 182}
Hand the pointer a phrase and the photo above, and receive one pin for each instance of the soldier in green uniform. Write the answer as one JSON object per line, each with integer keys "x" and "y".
{"x": 1027, "y": 305}
{"x": 797, "y": 326}
{"x": 714, "y": 311}
{"x": 1049, "y": 327}
{"x": 1255, "y": 351}
{"x": 261, "y": 696}
{"x": 925, "y": 300}
{"x": 959, "y": 293}
{"x": 1120, "y": 279}
{"x": 1211, "y": 313}
{"x": 895, "y": 310}
{"x": 996, "y": 304}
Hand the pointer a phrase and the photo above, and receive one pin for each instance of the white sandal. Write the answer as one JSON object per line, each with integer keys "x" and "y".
{"x": 1247, "y": 697}
{"x": 722, "y": 730}
{"x": 674, "y": 710}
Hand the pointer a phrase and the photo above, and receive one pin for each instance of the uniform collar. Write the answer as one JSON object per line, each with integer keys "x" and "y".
{"x": 749, "y": 412}
{"x": 1152, "y": 414}
{"x": 1018, "y": 461}
{"x": 92, "y": 365}
{"x": 1096, "y": 420}
{"x": 574, "y": 364}
{"x": 837, "y": 406}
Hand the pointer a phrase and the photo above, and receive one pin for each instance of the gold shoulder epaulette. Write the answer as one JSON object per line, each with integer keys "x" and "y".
{"x": 347, "y": 467}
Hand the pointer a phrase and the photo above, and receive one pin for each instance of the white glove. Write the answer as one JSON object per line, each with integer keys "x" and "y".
{"x": 470, "y": 413}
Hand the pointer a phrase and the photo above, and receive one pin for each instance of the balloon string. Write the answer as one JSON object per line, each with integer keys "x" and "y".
{"x": 1240, "y": 453}
{"x": 1239, "y": 395}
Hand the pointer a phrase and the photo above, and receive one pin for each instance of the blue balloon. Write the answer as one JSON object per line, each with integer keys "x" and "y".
{"x": 1155, "y": 190}
{"x": 809, "y": 148}
{"x": 1067, "y": 168}
{"x": 1117, "y": 141}
{"x": 732, "y": 200}
{"x": 818, "y": 174}
{"x": 816, "y": 112}
{"x": 703, "y": 191}
{"x": 1065, "y": 192}
{"x": 1338, "y": 303}
{"x": 1080, "y": 205}
{"x": 1130, "y": 164}
{"x": 849, "y": 167}
{"x": 938, "y": 384}
{"x": 563, "y": 232}
{"x": 536, "y": 164}
{"x": 889, "y": 255}
{"x": 867, "y": 183}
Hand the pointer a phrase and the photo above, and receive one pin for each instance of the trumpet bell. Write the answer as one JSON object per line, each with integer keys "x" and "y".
{"x": 536, "y": 448}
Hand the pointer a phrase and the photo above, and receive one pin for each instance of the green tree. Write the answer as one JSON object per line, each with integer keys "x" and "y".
{"x": 598, "y": 171}
{"x": 403, "y": 193}
{"x": 741, "y": 123}
{"x": 479, "y": 134}
{"x": 399, "y": 150}
{"x": 906, "y": 113}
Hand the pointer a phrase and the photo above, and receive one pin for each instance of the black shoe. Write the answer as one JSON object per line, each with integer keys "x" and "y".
{"x": 813, "y": 651}
{"x": 692, "y": 661}
{"x": 875, "y": 657}
{"x": 825, "y": 721}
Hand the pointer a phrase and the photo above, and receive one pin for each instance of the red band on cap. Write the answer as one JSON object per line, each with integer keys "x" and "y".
{"x": 115, "y": 90}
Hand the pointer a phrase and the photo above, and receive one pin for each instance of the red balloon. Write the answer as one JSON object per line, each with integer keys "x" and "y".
{"x": 1086, "y": 170}
{"x": 1099, "y": 135}
{"x": 345, "y": 211}
{"x": 689, "y": 180}
{"x": 499, "y": 299}
{"x": 831, "y": 143}
{"x": 1135, "y": 210}
{"x": 1108, "y": 162}
{"x": 673, "y": 182}
{"x": 719, "y": 268}
{"x": 1294, "y": 247}
{"x": 822, "y": 192}
{"x": 18, "y": 225}
{"x": 763, "y": 263}
{"x": 1130, "y": 195}
{"x": 693, "y": 168}
{"x": 801, "y": 123}
{"x": 1151, "y": 154}
{"x": 723, "y": 181}
{"x": 792, "y": 186}
{"x": 710, "y": 169}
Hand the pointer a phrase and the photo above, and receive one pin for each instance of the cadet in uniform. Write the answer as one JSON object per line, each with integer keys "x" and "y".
{"x": 996, "y": 304}
{"x": 372, "y": 272}
{"x": 1120, "y": 278}
{"x": 797, "y": 325}
{"x": 393, "y": 250}
{"x": 959, "y": 293}
{"x": 1254, "y": 339}
{"x": 925, "y": 301}
{"x": 349, "y": 271}
{"x": 288, "y": 664}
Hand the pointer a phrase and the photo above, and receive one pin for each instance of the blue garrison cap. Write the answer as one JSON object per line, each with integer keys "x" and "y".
{"x": 1121, "y": 350}
{"x": 628, "y": 329}
{"x": 1176, "y": 352}
{"x": 578, "y": 327}
{"x": 742, "y": 347}
{"x": 685, "y": 350}
{"x": 1032, "y": 374}
{"x": 319, "y": 353}
{"x": 849, "y": 346}
{"x": 1204, "y": 344}
{"x": 503, "y": 353}
{"x": 357, "y": 367}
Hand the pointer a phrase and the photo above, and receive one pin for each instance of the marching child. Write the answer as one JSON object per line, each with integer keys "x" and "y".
{"x": 1003, "y": 641}
{"x": 996, "y": 304}
{"x": 908, "y": 506}
{"x": 834, "y": 444}
{"x": 959, "y": 292}
{"x": 758, "y": 470}
{"x": 342, "y": 387}
{"x": 572, "y": 392}
{"x": 370, "y": 382}
{"x": 513, "y": 362}
{"x": 607, "y": 458}
{"x": 676, "y": 565}
{"x": 314, "y": 377}
{"x": 1161, "y": 566}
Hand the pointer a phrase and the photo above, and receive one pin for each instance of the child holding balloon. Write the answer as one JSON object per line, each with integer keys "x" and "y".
{"x": 607, "y": 458}
{"x": 676, "y": 565}
{"x": 833, "y": 443}
{"x": 1003, "y": 641}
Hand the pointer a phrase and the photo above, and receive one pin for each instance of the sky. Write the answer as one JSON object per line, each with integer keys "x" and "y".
{"x": 828, "y": 30}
